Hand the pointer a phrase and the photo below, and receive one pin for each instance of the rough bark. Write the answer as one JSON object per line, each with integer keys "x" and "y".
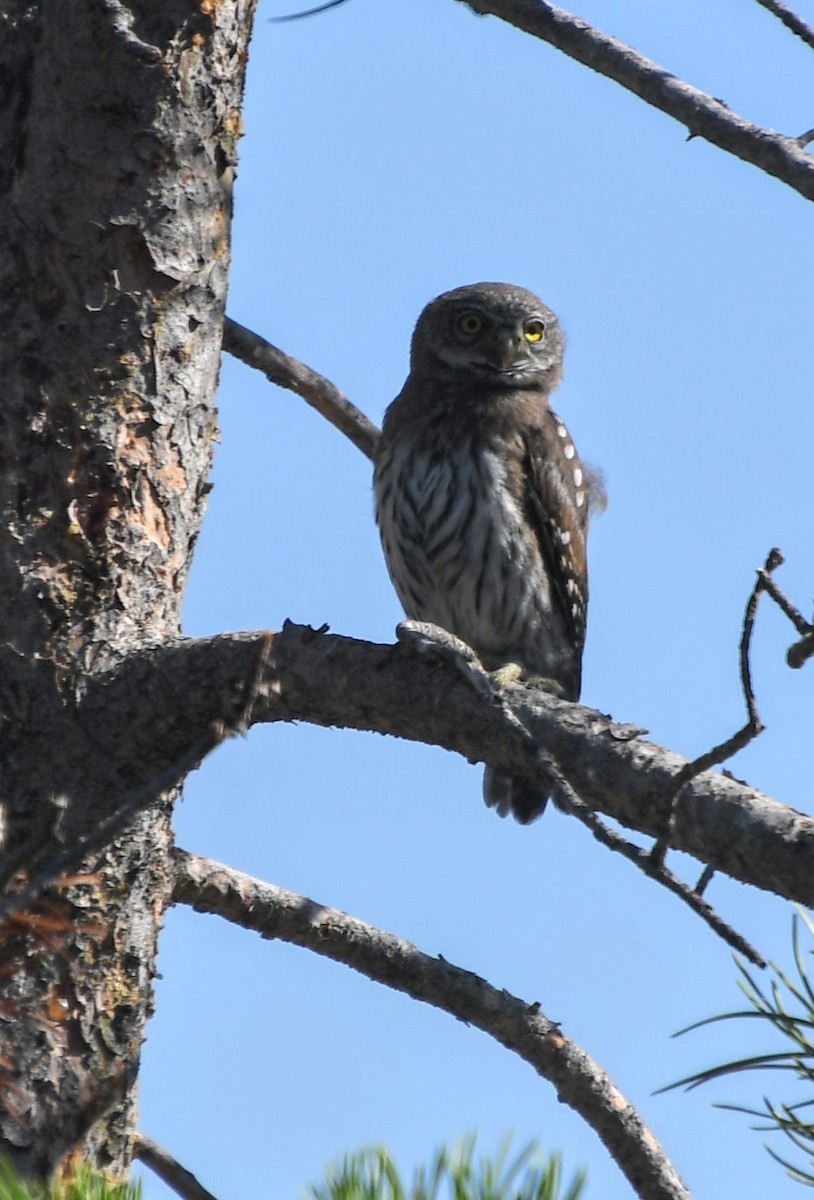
{"x": 119, "y": 127}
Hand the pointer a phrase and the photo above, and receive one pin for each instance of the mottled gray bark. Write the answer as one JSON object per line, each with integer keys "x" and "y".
{"x": 118, "y": 125}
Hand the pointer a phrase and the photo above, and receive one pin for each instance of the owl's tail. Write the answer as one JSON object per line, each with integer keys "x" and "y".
{"x": 508, "y": 794}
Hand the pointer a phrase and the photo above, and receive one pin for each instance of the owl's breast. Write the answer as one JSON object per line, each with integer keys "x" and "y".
{"x": 461, "y": 552}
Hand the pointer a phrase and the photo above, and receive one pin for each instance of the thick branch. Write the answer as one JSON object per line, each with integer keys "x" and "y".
{"x": 209, "y": 887}
{"x": 168, "y": 696}
{"x": 703, "y": 115}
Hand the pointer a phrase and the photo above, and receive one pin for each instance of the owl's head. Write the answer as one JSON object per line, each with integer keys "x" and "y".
{"x": 492, "y": 332}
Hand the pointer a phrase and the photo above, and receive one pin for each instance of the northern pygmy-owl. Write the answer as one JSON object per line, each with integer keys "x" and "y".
{"x": 481, "y": 499}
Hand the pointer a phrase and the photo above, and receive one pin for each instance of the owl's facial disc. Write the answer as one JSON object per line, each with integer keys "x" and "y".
{"x": 503, "y": 347}
{"x": 491, "y": 334}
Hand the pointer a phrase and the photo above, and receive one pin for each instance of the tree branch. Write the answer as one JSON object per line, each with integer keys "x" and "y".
{"x": 581, "y": 1083}
{"x": 653, "y": 866}
{"x": 182, "y": 1181}
{"x": 306, "y": 12}
{"x": 703, "y": 115}
{"x": 790, "y": 20}
{"x": 168, "y": 696}
{"x": 288, "y": 373}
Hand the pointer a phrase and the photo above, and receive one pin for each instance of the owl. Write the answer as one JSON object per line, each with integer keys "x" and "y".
{"x": 481, "y": 499}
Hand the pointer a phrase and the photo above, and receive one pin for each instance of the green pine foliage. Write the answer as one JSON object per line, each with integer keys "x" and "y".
{"x": 453, "y": 1174}
{"x": 786, "y": 1009}
{"x": 84, "y": 1184}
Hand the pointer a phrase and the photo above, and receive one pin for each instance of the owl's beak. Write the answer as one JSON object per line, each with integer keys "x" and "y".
{"x": 506, "y": 345}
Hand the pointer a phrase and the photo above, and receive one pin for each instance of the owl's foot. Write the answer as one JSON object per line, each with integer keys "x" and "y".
{"x": 431, "y": 641}
{"x": 514, "y": 673}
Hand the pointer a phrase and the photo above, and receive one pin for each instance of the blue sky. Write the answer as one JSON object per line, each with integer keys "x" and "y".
{"x": 394, "y": 150}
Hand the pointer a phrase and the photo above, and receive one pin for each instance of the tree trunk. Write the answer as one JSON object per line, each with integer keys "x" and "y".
{"x": 119, "y": 127}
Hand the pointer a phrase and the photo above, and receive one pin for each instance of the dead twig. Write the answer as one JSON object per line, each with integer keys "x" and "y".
{"x": 781, "y": 599}
{"x": 288, "y": 373}
{"x": 567, "y": 800}
{"x": 182, "y": 1181}
{"x": 798, "y": 652}
{"x": 801, "y": 651}
{"x": 790, "y": 19}
{"x": 307, "y": 12}
{"x": 731, "y": 745}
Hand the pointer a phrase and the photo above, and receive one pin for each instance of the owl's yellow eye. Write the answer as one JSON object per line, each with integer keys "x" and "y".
{"x": 470, "y": 323}
{"x": 533, "y": 331}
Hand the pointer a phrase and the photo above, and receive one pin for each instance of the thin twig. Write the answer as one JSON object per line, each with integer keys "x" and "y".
{"x": 702, "y": 114}
{"x": 798, "y": 652}
{"x": 790, "y": 20}
{"x": 801, "y": 651}
{"x": 643, "y": 859}
{"x": 288, "y": 373}
{"x": 742, "y": 737}
{"x": 803, "y": 627}
{"x": 182, "y": 1181}
{"x": 427, "y": 640}
{"x": 521, "y": 1027}
{"x": 307, "y": 12}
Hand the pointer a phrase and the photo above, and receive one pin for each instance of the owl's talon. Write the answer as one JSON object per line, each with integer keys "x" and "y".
{"x": 514, "y": 673}
{"x": 510, "y": 672}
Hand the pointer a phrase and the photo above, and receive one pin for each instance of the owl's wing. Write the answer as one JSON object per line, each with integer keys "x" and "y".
{"x": 556, "y": 504}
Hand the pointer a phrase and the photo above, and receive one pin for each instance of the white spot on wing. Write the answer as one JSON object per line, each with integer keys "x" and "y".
{"x": 569, "y": 451}
{"x": 565, "y": 537}
{"x": 578, "y": 476}
{"x": 580, "y": 499}
{"x": 562, "y": 431}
